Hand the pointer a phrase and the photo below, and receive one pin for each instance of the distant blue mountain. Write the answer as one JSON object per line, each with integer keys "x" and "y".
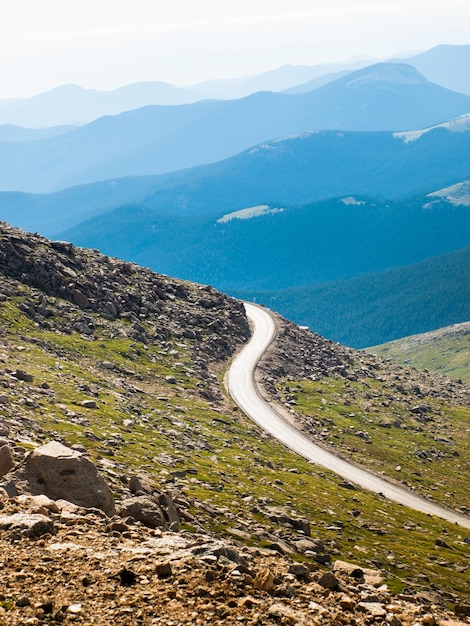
{"x": 278, "y": 247}
{"x": 357, "y": 270}
{"x": 445, "y": 65}
{"x": 10, "y": 133}
{"x": 159, "y": 139}
{"x": 290, "y": 214}
{"x": 72, "y": 104}
{"x": 286, "y": 172}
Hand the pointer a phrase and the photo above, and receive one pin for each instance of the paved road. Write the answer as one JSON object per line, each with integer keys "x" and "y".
{"x": 244, "y": 391}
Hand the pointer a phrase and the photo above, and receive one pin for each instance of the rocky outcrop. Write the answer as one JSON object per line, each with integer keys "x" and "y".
{"x": 155, "y": 307}
{"x": 316, "y": 358}
{"x": 29, "y": 525}
{"x": 61, "y": 473}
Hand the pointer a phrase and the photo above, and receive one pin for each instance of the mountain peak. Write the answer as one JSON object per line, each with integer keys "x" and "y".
{"x": 395, "y": 73}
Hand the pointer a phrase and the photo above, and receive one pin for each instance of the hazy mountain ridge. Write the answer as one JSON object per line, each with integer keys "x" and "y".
{"x": 68, "y": 104}
{"x": 72, "y": 104}
{"x": 159, "y": 139}
{"x": 286, "y": 172}
{"x": 445, "y": 65}
{"x": 16, "y": 134}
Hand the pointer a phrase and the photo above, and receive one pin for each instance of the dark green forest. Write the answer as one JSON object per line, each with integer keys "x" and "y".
{"x": 378, "y": 308}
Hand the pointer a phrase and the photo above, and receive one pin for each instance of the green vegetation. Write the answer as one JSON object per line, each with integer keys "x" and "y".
{"x": 424, "y": 444}
{"x": 143, "y": 422}
{"x": 445, "y": 351}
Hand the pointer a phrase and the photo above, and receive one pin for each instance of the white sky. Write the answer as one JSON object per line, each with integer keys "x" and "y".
{"x": 103, "y": 44}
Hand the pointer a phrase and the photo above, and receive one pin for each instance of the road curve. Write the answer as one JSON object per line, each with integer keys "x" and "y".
{"x": 242, "y": 387}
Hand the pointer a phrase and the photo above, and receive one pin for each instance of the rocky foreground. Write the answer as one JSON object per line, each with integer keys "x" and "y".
{"x": 72, "y": 552}
{"x": 62, "y": 563}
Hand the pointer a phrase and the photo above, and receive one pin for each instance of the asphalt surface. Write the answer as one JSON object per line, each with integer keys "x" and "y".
{"x": 243, "y": 389}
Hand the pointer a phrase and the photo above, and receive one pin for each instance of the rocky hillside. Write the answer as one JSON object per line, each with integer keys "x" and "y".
{"x": 72, "y": 288}
{"x": 408, "y": 423}
{"x": 87, "y": 569}
{"x": 134, "y": 491}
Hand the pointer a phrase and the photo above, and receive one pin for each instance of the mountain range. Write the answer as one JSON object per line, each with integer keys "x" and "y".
{"x": 311, "y": 209}
{"x": 157, "y": 139}
{"x": 248, "y": 224}
{"x": 444, "y": 65}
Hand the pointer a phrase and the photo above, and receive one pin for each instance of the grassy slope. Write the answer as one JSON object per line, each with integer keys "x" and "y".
{"x": 445, "y": 351}
{"x": 229, "y": 457}
{"x": 422, "y": 442}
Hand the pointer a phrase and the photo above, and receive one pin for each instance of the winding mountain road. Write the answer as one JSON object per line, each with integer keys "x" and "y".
{"x": 243, "y": 389}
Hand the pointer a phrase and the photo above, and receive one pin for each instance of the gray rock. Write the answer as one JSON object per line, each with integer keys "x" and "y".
{"x": 31, "y": 525}
{"x": 300, "y": 571}
{"x": 169, "y": 510}
{"x": 375, "y": 609}
{"x": 230, "y": 554}
{"x": 89, "y": 404}
{"x": 312, "y": 545}
{"x": 329, "y": 581}
{"x": 140, "y": 484}
{"x": 6, "y": 460}
{"x": 62, "y": 473}
{"x": 298, "y": 524}
{"x": 143, "y": 509}
{"x": 24, "y": 376}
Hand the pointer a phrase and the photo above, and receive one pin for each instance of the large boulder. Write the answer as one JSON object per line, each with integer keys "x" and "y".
{"x": 61, "y": 473}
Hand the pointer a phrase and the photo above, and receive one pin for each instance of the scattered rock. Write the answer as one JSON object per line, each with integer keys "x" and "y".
{"x": 23, "y": 601}
{"x": 329, "y": 581}
{"x": 89, "y": 404}
{"x": 6, "y": 460}
{"x": 264, "y": 580}
{"x": 300, "y": 571}
{"x": 29, "y": 525}
{"x": 143, "y": 509}
{"x": 140, "y": 484}
{"x": 24, "y": 376}
{"x": 164, "y": 570}
{"x": 375, "y": 609}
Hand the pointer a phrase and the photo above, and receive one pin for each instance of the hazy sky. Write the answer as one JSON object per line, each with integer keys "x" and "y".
{"x": 104, "y": 44}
